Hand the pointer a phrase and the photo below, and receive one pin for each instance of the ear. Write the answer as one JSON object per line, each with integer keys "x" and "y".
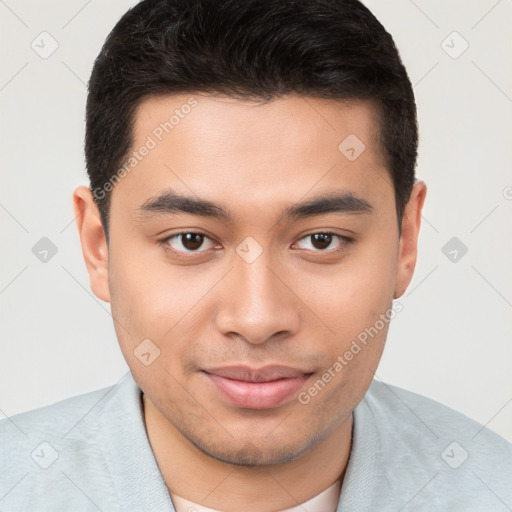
{"x": 408, "y": 247}
{"x": 93, "y": 240}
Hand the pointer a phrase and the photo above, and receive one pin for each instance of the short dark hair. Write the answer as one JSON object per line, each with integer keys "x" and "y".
{"x": 247, "y": 49}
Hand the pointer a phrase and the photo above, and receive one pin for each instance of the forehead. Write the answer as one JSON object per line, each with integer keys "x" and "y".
{"x": 216, "y": 147}
{"x": 290, "y": 122}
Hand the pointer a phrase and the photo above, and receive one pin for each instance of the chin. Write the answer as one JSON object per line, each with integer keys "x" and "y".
{"x": 254, "y": 454}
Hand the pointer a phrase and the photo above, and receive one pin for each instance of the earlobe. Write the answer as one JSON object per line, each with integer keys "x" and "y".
{"x": 408, "y": 248}
{"x": 93, "y": 240}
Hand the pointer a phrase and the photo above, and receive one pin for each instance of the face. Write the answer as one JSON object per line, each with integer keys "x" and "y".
{"x": 251, "y": 247}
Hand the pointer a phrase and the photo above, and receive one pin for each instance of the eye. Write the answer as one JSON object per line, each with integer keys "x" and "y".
{"x": 324, "y": 242}
{"x": 187, "y": 242}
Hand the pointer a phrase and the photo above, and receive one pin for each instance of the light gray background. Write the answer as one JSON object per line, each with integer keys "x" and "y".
{"x": 452, "y": 341}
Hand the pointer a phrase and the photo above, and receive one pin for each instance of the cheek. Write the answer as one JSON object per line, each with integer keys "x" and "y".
{"x": 143, "y": 301}
{"x": 355, "y": 300}
{"x": 351, "y": 295}
{"x": 159, "y": 302}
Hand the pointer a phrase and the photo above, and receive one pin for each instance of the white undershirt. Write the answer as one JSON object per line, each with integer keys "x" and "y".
{"x": 326, "y": 501}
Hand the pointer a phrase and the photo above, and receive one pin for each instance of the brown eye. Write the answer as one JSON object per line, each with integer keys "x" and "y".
{"x": 321, "y": 240}
{"x": 188, "y": 242}
{"x": 192, "y": 241}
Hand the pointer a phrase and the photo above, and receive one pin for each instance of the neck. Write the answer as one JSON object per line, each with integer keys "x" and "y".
{"x": 194, "y": 475}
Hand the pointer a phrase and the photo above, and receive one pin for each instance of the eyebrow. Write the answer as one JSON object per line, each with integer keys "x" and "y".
{"x": 170, "y": 202}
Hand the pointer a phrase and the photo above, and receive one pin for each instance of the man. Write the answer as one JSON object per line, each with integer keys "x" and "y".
{"x": 252, "y": 219}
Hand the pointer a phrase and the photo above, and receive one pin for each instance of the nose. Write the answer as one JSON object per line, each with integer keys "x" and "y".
{"x": 258, "y": 302}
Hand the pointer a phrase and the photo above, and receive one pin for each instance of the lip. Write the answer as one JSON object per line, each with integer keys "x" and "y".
{"x": 263, "y": 388}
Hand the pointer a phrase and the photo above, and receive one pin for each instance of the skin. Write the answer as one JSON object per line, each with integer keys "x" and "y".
{"x": 296, "y": 304}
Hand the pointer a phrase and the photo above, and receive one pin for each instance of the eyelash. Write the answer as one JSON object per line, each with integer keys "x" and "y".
{"x": 345, "y": 240}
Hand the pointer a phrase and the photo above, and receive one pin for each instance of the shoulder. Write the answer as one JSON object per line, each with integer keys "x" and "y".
{"x": 51, "y": 419}
{"x": 401, "y": 409}
{"x": 436, "y": 455}
{"x": 55, "y": 451}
